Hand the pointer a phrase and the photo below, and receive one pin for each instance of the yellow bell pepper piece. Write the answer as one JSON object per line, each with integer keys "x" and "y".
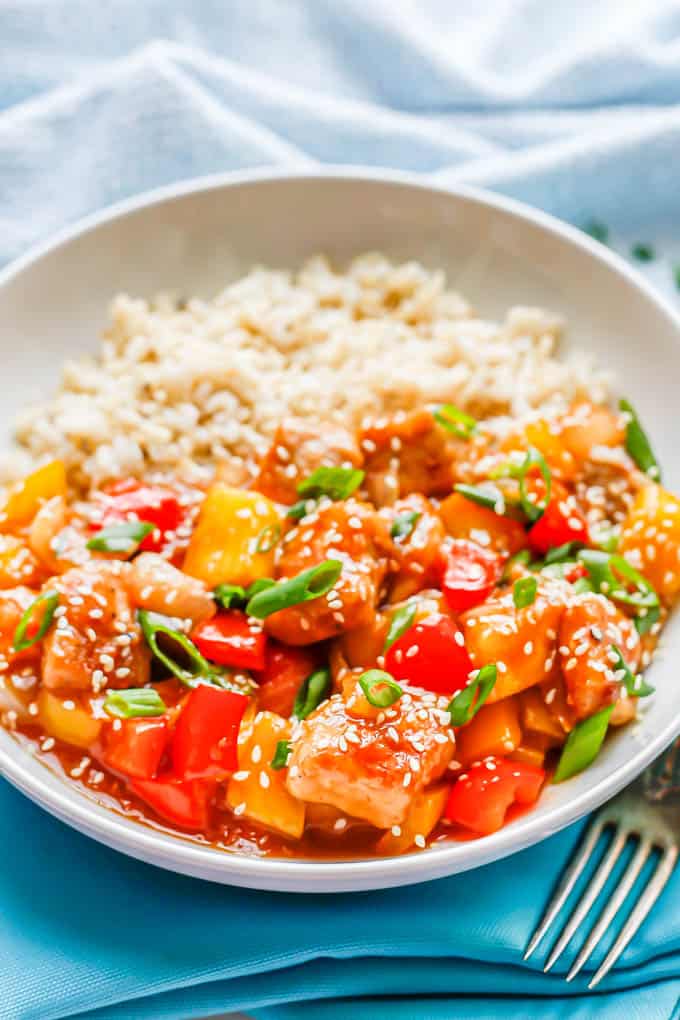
{"x": 259, "y": 787}
{"x": 235, "y": 537}
{"x": 426, "y": 809}
{"x": 26, "y": 497}
{"x": 650, "y": 536}
{"x": 18, "y": 564}
{"x": 464, "y": 519}
{"x": 73, "y": 725}
{"x": 494, "y": 730}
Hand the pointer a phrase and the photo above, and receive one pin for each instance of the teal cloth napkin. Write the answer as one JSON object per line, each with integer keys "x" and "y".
{"x": 572, "y": 107}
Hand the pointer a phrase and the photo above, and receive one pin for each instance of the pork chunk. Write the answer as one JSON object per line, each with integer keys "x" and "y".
{"x": 297, "y": 450}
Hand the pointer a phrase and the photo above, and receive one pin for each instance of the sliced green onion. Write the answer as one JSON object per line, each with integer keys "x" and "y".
{"x": 522, "y": 557}
{"x": 534, "y": 458}
{"x": 136, "y": 702}
{"x": 603, "y": 569}
{"x": 281, "y": 755}
{"x": 230, "y": 596}
{"x": 404, "y": 524}
{"x": 581, "y": 585}
{"x": 637, "y": 443}
{"x": 642, "y": 252}
{"x": 604, "y": 538}
{"x": 561, "y": 553}
{"x": 583, "y": 745}
{"x": 635, "y": 685}
{"x": 452, "y": 418}
{"x": 261, "y": 584}
{"x": 380, "y": 688}
{"x": 50, "y": 600}
{"x": 268, "y": 538}
{"x": 121, "y": 538}
{"x": 154, "y": 626}
{"x": 310, "y": 584}
{"x": 401, "y": 620}
{"x": 645, "y": 620}
{"x": 312, "y": 692}
{"x": 597, "y": 230}
{"x": 463, "y": 706}
{"x": 300, "y": 509}
{"x": 334, "y": 482}
{"x": 487, "y": 494}
{"x": 524, "y": 592}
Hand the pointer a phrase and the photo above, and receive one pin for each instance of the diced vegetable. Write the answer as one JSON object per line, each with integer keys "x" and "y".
{"x": 25, "y": 499}
{"x": 136, "y": 702}
{"x": 637, "y": 443}
{"x": 431, "y": 654}
{"x": 495, "y": 730}
{"x": 583, "y": 745}
{"x": 454, "y": 420}
{"x": 258, "y": 790}
{"x": 618, "y": 579}
{"x": 465, "y": 519}
{"x": 179, "y": 654}
{"x": 36, "y": 621}
{"x": 285, "y": 670}
{"x": 230, "y": 639}
{"x": 184, "y": 804}
{"x": 425, "y": 811}
{"x": 465, "y": 705}
{"x": 524, "y": 592}
{"x": 537, "y": 718}
{"x": 561, "y": 522}
{"x": 379, "y": 688}
{"x": 313, "y": 690}
{"x": 481, "y": 796}
{"x": 121, "y": 538}
{"x": 204, "y": 742}
{"x": 304, "y": 587}
{"x": 470, "y": 574}
{"x": 650, "y": 537}
{"x": 136, "y": 747}
{"x": 133, "y": 502}
{"x": 333, "y": 482}
{"x": 404, "y": 524}
{"x": 223, "y": 549}
{"x": 63, "y": 719}
{"x": 402, "y": 618}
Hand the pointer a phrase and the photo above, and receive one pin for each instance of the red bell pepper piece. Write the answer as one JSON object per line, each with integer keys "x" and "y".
{"x": 470, "y": 574}
{"x": 129, "y": 499}
{"x": 285, "y": 668}
{"x": 231, "y": 640}
{"x": 481, "y": 795}
{"x": 181, "y": 804}
{"x": 204, "y": 742}
{"x": 562, "y": 521}
{"x": 136, "y": 747}
{"x": 431, "y": 654}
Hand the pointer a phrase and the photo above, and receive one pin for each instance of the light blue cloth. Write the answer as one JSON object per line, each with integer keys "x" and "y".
{"x": 572, "y": 106}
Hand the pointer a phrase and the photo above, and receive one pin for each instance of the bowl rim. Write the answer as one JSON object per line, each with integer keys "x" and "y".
{"x": 182, "y": 854}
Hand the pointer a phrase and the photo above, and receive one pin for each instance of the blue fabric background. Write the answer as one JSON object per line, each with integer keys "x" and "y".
{"x": 572, "y": 106}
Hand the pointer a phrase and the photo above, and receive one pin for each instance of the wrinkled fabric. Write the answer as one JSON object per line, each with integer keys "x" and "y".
{"x": 571, "y": 106}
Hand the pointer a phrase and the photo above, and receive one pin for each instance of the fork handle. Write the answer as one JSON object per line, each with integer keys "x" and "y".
{"x": 663, "y": 775}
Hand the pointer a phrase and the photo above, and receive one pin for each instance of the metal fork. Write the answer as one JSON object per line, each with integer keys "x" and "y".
{"x": 640, "y": 815}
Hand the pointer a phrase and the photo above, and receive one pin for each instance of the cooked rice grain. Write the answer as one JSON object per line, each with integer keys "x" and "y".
{"x": 176, "y": 386}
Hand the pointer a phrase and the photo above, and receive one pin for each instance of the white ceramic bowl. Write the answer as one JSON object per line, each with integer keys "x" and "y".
{"x": 193, "y": 239}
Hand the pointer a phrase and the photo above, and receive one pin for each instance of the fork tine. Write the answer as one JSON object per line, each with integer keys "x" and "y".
{"x": 611, "y": 856}
{"x": 639, "y": 912}
{"x": 567, "y": 882}
{"x": 604, "y": 920}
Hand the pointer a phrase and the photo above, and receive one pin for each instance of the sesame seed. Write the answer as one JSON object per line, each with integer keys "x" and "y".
{"x": 396, "y": 830}
{"x": 239, "y": 809}
{"x": 264, "y": 780}
{"x": 256, "y": 754}
{"x": 340, "y": 824}
{"x": 241, "y": 775}
{"x": 528, "y": 647}
{"x": 419, "y": 841}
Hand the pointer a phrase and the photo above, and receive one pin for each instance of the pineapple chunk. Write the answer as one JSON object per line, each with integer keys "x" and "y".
{"x": 25, "y": 499}
{"x": 73, "y": 725}
{"x": 233, "y": 525}
{"x": 258, "y": 786}
{"x": 494, "y": 730}
{"x": 425, "y": 811}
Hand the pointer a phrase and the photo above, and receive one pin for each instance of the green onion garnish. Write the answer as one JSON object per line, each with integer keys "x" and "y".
{"x": 261, "y": 584}
{"x": 380, "y": 689}
{"x": 534, "y": 458}
{"x": 300, "y": 509}
{"x": 642, "y": 252}
{"x": 404, "y": 524}
{"x": 136, "y": 702}
{"x": 605, "y": 573}
{"x": 581, "y": 585}
{"x": 487, "y": 494}
{"x": 522, "y": 557}
{"x": 645, "y": 620}
{"x": 334, "y": 482}
{"x": 583, "y": 745}
{"x": 50, "y": 600}
{"x": 154, "y": 626}
{"x": 604, "y": 538}
{"x": 637, "y": 443}
{"x": 461, "y": 707}
{"x": 310, "y": 584}
{"x": 597, "y": 230}
{"x": 281, "y": 755}
{"x": 401, "y": 620}
{"x": 635, "y": 685}
{"x": 230, "y": 596}
{"x": 121, "y": 538}
{"x": 524, "y": 592}
{"x": 268, "y": 538}
{"x": 452, "y": 418}
{"x": 312, "y": 692}
{"x": 561, "y": 553}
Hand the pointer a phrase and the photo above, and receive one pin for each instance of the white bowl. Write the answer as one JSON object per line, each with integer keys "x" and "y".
{"x": 195, "y": 237}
